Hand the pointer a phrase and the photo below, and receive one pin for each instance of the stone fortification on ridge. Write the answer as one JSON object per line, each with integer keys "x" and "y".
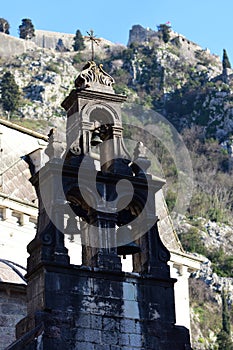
{"x": 10, "y": 46}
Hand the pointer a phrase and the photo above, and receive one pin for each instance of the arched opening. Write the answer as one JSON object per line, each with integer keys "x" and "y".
{"x": 102, "y": 115}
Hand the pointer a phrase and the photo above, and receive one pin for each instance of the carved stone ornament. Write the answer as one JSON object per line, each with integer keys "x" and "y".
{"x": 93, "y": 74}
{"x": 55, "y": 146}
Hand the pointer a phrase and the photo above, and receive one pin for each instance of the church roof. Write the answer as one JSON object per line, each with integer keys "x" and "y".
{"x": 167, "y": 231}
{"x": 11, "y": 272}
{"x": 22, "y": 129}
{"x": 16, "y": 143}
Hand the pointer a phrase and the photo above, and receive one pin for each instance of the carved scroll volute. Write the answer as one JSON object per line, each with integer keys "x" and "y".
{"x": 93, "y": 75}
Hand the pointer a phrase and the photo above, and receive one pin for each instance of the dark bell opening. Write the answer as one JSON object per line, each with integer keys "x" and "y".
{"x": 128, "y": 249}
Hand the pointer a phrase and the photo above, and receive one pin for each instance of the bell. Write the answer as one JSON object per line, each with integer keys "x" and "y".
{"x": 71, "y": 228}
{"x": 95, "y": 139}
{"x": 128, "y": 249}
{"x": 124, "y": 234}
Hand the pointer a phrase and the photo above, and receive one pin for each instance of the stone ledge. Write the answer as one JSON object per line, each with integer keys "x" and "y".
{"x": 10, "y": 288}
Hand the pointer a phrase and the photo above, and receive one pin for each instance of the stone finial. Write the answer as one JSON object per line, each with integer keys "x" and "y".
{"x": 141, "y": 162}
{"x": 140, "y": 151}
{"x": 94, "y": 75}
{"x": 55, "y": 147}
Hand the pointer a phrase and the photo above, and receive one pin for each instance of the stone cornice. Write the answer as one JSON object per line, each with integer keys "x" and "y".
{"x": 91, "y": 95}
{"x": 18, "y": 205}
{"x": 191, "y": 261}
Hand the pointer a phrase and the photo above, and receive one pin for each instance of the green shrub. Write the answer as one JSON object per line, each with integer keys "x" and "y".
{"x": 192, "y": 242}
{"x": 77, "y": 58}
{"x": 53, "y": 67}
{"x": 222, "y": 264}
{"x": 170, "y": 199}
{"x": 120, "y": 89}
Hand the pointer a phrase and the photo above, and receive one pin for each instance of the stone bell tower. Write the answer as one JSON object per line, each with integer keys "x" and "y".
{"x": 93, "y": 187}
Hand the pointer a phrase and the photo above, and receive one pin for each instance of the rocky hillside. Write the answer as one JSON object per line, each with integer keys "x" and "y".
{"x": 214, "y": 240}
{"x": 178, "y": 78}
{"x": 185, "y": 83}
{"x": 45, "y": 75}
{"x": 190, "y": 87}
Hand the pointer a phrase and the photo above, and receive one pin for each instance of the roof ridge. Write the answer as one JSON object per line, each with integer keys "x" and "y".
{"x": 23, "y": 129}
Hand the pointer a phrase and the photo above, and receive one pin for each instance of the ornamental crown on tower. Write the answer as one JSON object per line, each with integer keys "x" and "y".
{"x": 93, "y": 74}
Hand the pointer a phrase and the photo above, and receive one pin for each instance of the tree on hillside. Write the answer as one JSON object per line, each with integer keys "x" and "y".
{"x": 60, "y": 46}
{"x": 78, "y": 41}
{"x": 26, "y": 29}
{"x": 10, "y": 93}
{"x": 224, "y": 337}
{"x": 164, "y": 31}
{"x": 225, "y": 60}
{"x": 4, "y": 26}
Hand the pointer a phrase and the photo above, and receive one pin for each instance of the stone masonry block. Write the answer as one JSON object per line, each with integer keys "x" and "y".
{"x": 115, "y": 290}
{"x": 92, "y": 335}
{"x": 127, "y": 326}
{"x": 109, "y": 338}
{"x": 124, "y": 339}
{"x": 80, "y": 335}
{"x": 84, "y": 286}
{"x": 138, "y": 327}
{"x": 135, "y": 340}
{"x": 88, "y": 335}
{"x": 93, "y": 305}
{"x": 6, "y": 330}
{"x": 113, "y": 307}
{"x": 129, "y": 291}
{"x": 84, "y": 346}
{"x": 83, "y": 321}
{"x": 131, "y": 309}
{"x": 6, "y": 339}
{"x": 102, "y": 347}
{"x": 102, "y": 288}
{"x": 113, "y": 347}
{"x": 109, "y": 324}
{"x": 8, "y": 320}
{"x": 96, "y": 322}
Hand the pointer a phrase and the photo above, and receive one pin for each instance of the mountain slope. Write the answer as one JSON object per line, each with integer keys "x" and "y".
{"x": 178, "y": 78}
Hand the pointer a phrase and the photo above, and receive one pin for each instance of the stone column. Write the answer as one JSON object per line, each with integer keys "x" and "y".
{"x": 181, "y": 288}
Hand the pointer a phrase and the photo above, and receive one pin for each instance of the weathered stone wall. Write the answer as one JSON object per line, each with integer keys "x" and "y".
{"x": 10, "y": 46}
{"x": 50, "y": 40}
{"x": 12, "y": 310}
{"x": 138, "y": 34}
{"x": 84, "y": 309}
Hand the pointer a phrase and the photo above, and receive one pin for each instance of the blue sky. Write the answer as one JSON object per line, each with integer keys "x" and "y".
{"x": 209, "y": 23}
